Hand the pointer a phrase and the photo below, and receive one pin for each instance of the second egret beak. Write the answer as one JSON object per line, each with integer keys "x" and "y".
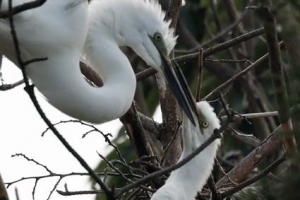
{"x": 178, "y": 85}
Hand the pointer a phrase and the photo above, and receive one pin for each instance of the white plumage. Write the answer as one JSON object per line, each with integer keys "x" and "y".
{"x": 184, "y": 182}
{"x": 59, "y": 29}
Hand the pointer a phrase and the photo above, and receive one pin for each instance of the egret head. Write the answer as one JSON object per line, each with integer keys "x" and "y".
{"x": 207, "y": 119}
{"x": 141, "y": 25}
{"x": 208, "y": 122}
{"x": 148, "y": 33}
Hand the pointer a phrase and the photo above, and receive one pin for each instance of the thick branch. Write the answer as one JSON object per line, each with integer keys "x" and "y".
{"x": 240, "y": 172}
{"x": 279, "y": 85}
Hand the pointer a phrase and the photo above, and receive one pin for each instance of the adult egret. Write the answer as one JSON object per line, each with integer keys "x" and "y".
{"x": 184, "y": 182}
{"x": 58, "y": 30}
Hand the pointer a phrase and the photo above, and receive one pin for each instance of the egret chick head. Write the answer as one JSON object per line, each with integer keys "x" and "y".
{"x": 207, "y": 118}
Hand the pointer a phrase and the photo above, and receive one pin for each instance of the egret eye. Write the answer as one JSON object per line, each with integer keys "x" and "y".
{"x": 204, "y": 124}
{"x": 157, "y": 37}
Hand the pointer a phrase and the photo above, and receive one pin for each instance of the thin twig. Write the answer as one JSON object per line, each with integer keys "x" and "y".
{"x": 21, "y": 8}
{"x": 238, "y": 75}
{"x": 30, "y": 90}
{"x": 10, "y": 86}
{"x": 200, "y": 75}
{"x": 254, "y": 179}
{"x": 166, "y": 170}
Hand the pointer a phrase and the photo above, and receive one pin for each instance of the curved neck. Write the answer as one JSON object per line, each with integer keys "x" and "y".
{"x": 184, "y": 182}
{"x": 60, "y": 80}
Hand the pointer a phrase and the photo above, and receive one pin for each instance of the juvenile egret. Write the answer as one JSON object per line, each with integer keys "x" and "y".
{"x": 184, "y": 182}
{"x": 58, "y": 30}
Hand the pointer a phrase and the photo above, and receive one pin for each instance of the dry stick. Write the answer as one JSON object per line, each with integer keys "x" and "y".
{"x": 212, "y": 186}
{"x": 128, "y": 180}
{"x": 1, "y": 59}
{"x": 166, "y": 170}
{"x": 135, "y": 132}
{"x": 149, "y": 124}
{"x": 277, "y": 75}
{"x": 225, "y": 31}
{"x": 225, "y": 45}
{"x": 30, "y": 90}
{"x": 200, "y": 74}
{"x": 252, "y": 115}
{"x": 61, "y": 176}
{"x": 10, "y": 86}
{"x": 170, "y": 143}
{"x": 289, "y": 22}
{"x": 169, "y": 104}
{"x": 243, "y": 61}
{"x": 3, "y": 192}
{"x": 268, "y": 147}
{"x": 21, "y": 8}
{"x": 253, "y": 179}
{"x": 238, "y": 75}
{"x": 17, "y": 194}
{"x": 207, "y": 52}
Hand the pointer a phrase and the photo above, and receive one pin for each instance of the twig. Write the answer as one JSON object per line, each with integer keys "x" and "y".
{"x": 222, "y": 46}
{"x": 253, "y": 179}
{"x": 30, "y": 90}
{"x": 166, "y": 170}
{"x": 5, "y": 87}
{"x": 21, "y": 8}
{"x": 252, "y": 115}
{"x": 279, "y": 85}
{"x": 200, "y": 75}
{"x": 238, "y": 75}
{"x": 267, "y": 147}
{"x": 3, "y": 192}
{"x": 214, "y": 192}
{"x": 225, "y": 31}
{"x": 207, "y": 52}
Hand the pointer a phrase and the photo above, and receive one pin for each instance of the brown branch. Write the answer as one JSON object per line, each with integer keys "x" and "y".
{"x": 150, "y": 125}
{"x": 238, "y": 75}
{"x": 207, "y": 52}
{"x": 288, "y": 18}
{"x": 279, "y": 85}
{"x": 169, "y": 105}
{"x": 240, "y": 172}
{"x": 136, "y": 132}
{"x": 222, "y": 46}
{"x": 254, "y": 179}
{"x": 10, "y": 86}
{"x": 90, "y": 74}
{"x": 166, "y": 170}
{"x": 200, "y": 75}
{"x": 252, "y": 115}
{"x": 225, "y": 31}
{"x": 3, "y": 192}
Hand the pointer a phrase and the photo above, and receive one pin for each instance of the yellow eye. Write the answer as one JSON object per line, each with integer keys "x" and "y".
{"x": 158, "y": 37}
{"x": 204, "y": 124}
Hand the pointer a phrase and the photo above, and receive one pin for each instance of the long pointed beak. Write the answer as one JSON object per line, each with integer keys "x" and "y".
{"x": 179, "y": 86}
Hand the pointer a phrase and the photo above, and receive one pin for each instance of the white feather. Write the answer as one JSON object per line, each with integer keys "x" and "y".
{"x": 59, "y": 29}
{"x": 184, "y": 182}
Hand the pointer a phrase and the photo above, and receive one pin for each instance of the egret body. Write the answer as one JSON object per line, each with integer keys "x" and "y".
{"x": 184, "y": 182}
{"x": 60, "y": 29}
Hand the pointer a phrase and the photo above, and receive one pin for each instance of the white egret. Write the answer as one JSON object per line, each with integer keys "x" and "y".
{"x": 184, "y": 182}
{"x": 58, "y": 30}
